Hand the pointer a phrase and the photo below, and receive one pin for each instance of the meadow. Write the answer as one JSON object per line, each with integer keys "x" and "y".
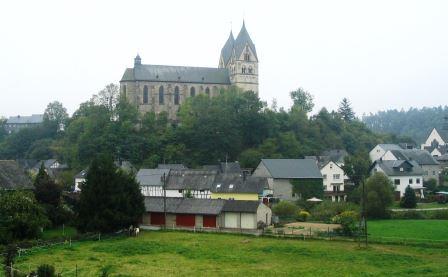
{"x": 409, "y": 229}
{"x": 161, "y": 253}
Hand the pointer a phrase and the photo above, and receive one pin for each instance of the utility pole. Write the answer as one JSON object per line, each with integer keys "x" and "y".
{"x": 164, "y": 199}
{"x": 364, "y": 212}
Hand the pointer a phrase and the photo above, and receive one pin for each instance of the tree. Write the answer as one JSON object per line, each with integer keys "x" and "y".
{"x": 285, "y": 209}
{"x": 45, "y": 189}
{"x": 379, "y": 195}
{"x": 345, "y": 110}
{"x": 108, "y": 97}
{"x": 9, "y": 258}
{"x": 110, "y": 200}
{"x": 56, "y": 113}
{"x": 430, "y": 184}
{"x": 22, "y": 216}
{"x": 302, "y": 100}
{"x": 357, "y": 167}
{"x": 409, "y": 200}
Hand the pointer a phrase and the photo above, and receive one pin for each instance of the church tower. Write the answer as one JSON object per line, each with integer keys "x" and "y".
{"x": 239, "y": 56}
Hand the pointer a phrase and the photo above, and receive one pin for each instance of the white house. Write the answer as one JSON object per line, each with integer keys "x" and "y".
{"x": 190, "y": 183}
{"x": 402, "y": 173}
{"x": 430, "y": 166}
{"x": 151, "y": 181}
{"x": 80, "y": 178}
{"x": 437, "y": 141}
{"x": 334, "y": 180}
{"x": 378, "y": 151}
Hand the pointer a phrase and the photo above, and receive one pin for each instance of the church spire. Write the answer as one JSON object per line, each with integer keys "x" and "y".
{"x": 137, "y": 60}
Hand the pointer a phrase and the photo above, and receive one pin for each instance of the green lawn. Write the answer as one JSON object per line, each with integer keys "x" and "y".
{"x": 59, "y": 232}
{"x": 199, "y": 254}
{"x": 396, "y": 205}
{"x": 409, "y": 229}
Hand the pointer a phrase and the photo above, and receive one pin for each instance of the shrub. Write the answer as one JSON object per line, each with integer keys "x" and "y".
{"x": 349, "y": 222}
{"x": 379, "y": 195}
{"x": 303, "y": 215}
{"x": 46, "y": 270}
{"x": 409, "y": 200}
{"x": 326, "y": 210}
{"x": 285, "y": 209}
{"x": 412, "y": 214}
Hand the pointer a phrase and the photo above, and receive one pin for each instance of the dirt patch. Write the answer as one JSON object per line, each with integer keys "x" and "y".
{"x": 307, "y": 228}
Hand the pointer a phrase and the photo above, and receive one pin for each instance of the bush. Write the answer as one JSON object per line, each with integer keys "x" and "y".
{"x": 326, "y": 210}
{"x": 379, "y": 195}
{"x": 409, "y": 200}
{"x": 303, "y": 215}
{"x": 414, "y": 214}
{"x": 46, "y": 270}
{"x": 285, "y": 209}
{"x": 349, "y": 222}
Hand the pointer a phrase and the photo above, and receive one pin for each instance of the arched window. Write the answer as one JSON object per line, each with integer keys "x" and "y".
{"x": 243, "y": 69}
{"x": 207, "y": 91}
{"x": 250, "y": 70}
{"x": 192, "y": 91}
{"x": 124, "y": 91}
{"x": 247, "y": 57}
{"x": 161, "y": 96}
{"x": 176, "y": 95}
{"x": 145, "y": 95}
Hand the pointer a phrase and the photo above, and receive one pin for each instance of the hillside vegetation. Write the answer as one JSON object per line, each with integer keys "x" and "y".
{"x": 413, "y": 123}
{"x": 233, "y": 125}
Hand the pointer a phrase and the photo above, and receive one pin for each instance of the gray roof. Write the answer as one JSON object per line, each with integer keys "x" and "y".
{"x": 184, "y": 205}
{"x": 443, "y": 134}
{"x": 32, "y": 119}
{"x": 48, "y": 163}
{"x": 178, "y": 74}
{"x": 392, "y": 168}
{"x": 225, "y": 167}
{"x": 292, "y": 168}
{"x": 81, "y": 174}
{"x": 171, "y": 166}
{"x": 236, "y": 46}
{"x": 443, "y": 158}
{"x": 192, "y": 179}
{"x": 388, "y": 147}
{"x": 235, "y": 183}
{"x": 12, "y": 176}
{"x": 151, "y": 177}
{"x": 242, "y": 206}
{"x": 336, "y": 155}
{"x": 422, "y": 157}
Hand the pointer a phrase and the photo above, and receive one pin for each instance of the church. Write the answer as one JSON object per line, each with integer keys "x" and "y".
{"x": 163, "y": 88}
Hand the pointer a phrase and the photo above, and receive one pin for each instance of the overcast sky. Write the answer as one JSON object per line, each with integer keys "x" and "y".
{"x": 378, "y": 54}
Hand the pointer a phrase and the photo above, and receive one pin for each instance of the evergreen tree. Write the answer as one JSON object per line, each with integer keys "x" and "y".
{"x": 409, "y": 200}
{"x": 110, "y": 199}
{"x": 45, "y": 189}
{"x": 345, "y": 110}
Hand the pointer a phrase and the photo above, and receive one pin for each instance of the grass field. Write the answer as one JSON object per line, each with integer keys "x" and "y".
{"x": 410, "y": 229}
{"x": 200, "y": 254}
{"x": 59, "y": 233}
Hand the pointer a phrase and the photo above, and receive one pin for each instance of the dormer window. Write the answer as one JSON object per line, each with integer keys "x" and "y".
{"x": 401, "y": 169}
{"x": 231, "y": 186}
{"x": 218, "y": 186}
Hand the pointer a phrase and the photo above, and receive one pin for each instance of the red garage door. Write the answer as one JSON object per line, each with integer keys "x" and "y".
{"x": 209, "y": 221}
{"x": 157, "y": 219}
{"x": 186, "y": 220}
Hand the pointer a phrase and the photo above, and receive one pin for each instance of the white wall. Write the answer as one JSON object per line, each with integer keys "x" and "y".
{"x": 78, "y": 183}
{"x": 152, "y": 190}
{"x": 376, "y": 153}
{"x": 417, "y": 181}
{"x": 329, "y": 171}
{"x": 433, "y": 136}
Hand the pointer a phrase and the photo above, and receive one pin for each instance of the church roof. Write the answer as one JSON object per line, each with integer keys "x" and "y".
{"x": 237, "y": 45}
{"x": 242, "y": 39}
{"x": 178, "y": 74}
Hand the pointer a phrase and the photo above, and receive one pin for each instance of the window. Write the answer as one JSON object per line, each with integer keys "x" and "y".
{"x": 324, "y": 176}
{"x": 207, "y": 91}
{"x": 417, "y": 181}
{"x": 331, "y": 166}
{"x": 411, "y": 181}
{"x": 247, "y": 57}
{"x": 176, "y": 95}
{"x": 397, "y": 181}
{"x": 336, "y": 176}
{"x": 161, "y": 96}
{"x": 401, "y": 169}
{"x": 180, "y": 191}
{"x": 433, "y": 173}
{"x": 250, "y": 70}
{"x": 243, "y": 69}
{"x": 192, "y": 91}
{"x": 124, "y": 91}
{"x": 145, "y": 95}
{"x": 218, "y": 186}
{"x": 231, "y": 186}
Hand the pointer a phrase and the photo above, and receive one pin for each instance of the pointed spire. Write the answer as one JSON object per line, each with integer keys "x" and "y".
{"x": 137, "y": 60}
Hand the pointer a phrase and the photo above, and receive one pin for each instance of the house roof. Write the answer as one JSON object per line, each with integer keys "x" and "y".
{"x": 335, "y": 155}
{"x": 225, "y": 167}
{"x": 48, "y": 163}
{"x": 292, "y": 168}
{"x": 82, "y": 174}
{"x": 392, "y": 168}
{"x": 178, "y": 74}
{"x": 236, "y": 46}
{"x": 443, "y": 158}
{"x": 422, "y": 157}
{"x": 27, "y": 163}
{"x": 32, "y": 119}
{"x": 235, "y": 183}
{"x": 12, "y": 176}
{"x": 387, "y": 147}
{"x": 192, "y": 179}
{"x": 242, "y": 206}
{"x": 171, "y": 166}
{"x": 151, "y": 177}
{"x": 443, "y": 134}
{"x": 184, "y": 205}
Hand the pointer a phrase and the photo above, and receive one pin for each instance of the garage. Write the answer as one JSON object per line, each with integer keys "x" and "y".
{"x": 185, "y": 220}
{"x": 231, "y": 220}
{"x": 248, "y": 221}
{"x": 209, "y": 221}
{"x": 157, "y": 219}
